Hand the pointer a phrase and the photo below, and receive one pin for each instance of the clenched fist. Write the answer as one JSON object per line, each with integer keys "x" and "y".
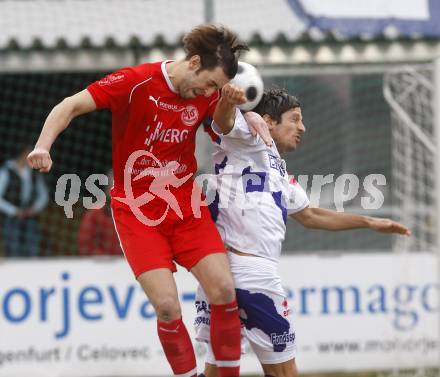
{"x": 39, "y": 159}
{"x": 233, "y": 94}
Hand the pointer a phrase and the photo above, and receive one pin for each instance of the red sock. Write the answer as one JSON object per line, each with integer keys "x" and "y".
{"x": 225, "y": 338}
{"x": 178, "y": 348}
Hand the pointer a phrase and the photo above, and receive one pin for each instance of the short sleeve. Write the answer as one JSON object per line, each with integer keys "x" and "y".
{"x": 113, "y": 91}
{"x": 239, "y": 131}
{"x": 298, "y": 199}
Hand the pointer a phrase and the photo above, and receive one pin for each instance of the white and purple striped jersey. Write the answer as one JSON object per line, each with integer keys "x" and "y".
{"x": 253, "y": 195}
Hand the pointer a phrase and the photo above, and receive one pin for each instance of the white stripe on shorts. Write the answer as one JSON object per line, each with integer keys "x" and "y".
{"x": 227, "y": 363}
{"x": 188, "y": 374}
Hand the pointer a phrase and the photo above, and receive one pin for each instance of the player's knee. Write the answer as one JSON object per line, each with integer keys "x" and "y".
{"x": 223, "y": 292}
{"x": 269, "y": 370}
{"x": 287, "y": 369}
{"x": 168, "y": 308}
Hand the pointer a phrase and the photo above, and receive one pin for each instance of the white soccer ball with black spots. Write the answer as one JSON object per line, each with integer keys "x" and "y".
{"x": 249, "y": 79}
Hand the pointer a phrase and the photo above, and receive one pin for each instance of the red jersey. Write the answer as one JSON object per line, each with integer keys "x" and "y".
{"x": 149, "y": 115}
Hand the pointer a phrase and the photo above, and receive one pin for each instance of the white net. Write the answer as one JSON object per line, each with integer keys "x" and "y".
{"x": 409, "y": 92}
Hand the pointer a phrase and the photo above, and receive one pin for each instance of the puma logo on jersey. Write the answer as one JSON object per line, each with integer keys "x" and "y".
{"x": 156, "y": 101}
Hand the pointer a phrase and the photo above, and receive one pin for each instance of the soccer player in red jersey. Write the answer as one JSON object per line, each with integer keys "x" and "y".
{"x": 156, "y": 110}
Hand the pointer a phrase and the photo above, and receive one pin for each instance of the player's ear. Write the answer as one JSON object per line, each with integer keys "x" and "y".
{"x": 270, "y": 122}
{"x": 194, "y": 63}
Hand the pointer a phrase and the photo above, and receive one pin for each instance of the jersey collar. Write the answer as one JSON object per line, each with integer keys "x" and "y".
{"x": 165, "y": 75}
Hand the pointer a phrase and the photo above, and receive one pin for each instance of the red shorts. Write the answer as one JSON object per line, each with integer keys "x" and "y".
{"x": 184, "y": 241}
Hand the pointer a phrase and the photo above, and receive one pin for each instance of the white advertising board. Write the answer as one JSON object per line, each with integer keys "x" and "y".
{"x": 89, "y": 317}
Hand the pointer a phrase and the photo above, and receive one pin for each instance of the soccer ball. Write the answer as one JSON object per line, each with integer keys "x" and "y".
{"x": 249, "y": 79}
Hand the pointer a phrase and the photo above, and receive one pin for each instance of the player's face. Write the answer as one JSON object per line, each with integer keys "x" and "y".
{"x": 287, "y": 134}
{"x": 201, "y": 82}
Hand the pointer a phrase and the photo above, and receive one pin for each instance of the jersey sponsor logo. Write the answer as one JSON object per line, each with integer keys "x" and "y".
{"x": 144, "y": 163}
{"x": 166, "y": 106}
{"x": 202, "y": 306}
{"x": 171, "y": 107}
{"x": 285, "y": 338}
{"x": 202, "y": 321}
{"x": 170, "y": 135}
{"x": 261, "y": 313}
{"x": 190, "y": 115}
{"x": 277, "y": 164}
{"x": 112, "y": 79}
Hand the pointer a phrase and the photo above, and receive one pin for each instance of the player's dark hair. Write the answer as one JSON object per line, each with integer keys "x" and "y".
{"x": 216, "y": 45}
{"x": 275, "y": 102}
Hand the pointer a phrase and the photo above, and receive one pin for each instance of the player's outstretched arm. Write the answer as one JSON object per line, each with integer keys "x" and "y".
{"x": 320, "y": 218}
{"x": 56, "y": 122}
{"x": 224, "y": 114}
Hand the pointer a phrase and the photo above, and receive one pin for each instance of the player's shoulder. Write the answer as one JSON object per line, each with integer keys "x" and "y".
{"x": 144, "y": 70}
{"x": 130, "y": 78}
{"x": 126, "y": 77}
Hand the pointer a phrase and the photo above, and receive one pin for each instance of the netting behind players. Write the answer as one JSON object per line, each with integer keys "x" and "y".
{"x": 83, "y": 149}
{"x": 410, "y": 91}
{"x": 362, "y": 123}
{"x": 351, "y": 132}
{"x": 347, "y": 139}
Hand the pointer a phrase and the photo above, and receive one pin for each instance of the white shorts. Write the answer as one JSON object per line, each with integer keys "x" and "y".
{"x": 264, "y": 311}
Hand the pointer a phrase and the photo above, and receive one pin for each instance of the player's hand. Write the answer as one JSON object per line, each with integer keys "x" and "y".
{"x": 388, "y": 226}
{"x": 39, "y": 159}
{"x": 258, "y": 126}
{"x": 233, "y": 94}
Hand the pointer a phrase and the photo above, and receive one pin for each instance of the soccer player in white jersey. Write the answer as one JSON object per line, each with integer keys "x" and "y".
{"x": 253, "y": 185}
